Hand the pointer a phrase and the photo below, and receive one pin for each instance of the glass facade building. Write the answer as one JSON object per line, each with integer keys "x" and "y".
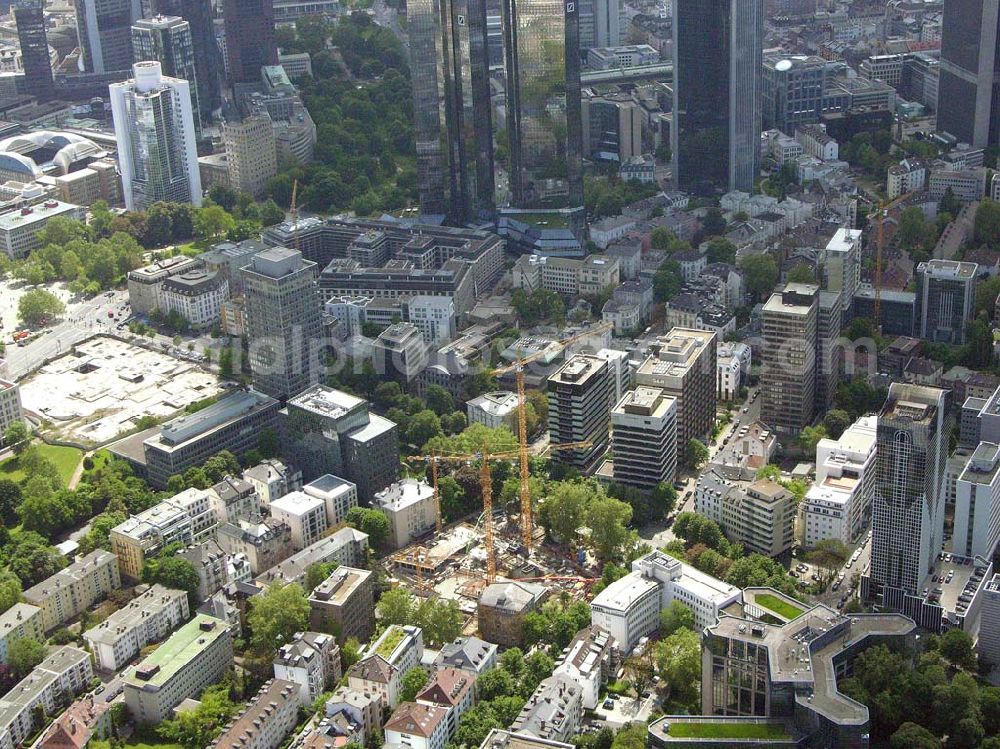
{"x": 449, "y": 65}
{"x": 970, "y": 65}
{"x": 207, "y": 58}
{"x": 542, "y": 48}
{"x": 167, "y": 39}
{"x": 718, "y": 51}
{"x": 30, "y": 18}
{"x": 250, "y": 46}
{"x": 105, "y": 31}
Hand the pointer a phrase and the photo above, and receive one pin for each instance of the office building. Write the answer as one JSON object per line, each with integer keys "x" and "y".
{"x": 838, "y": 504}
{"x": 154, "y": 127}
{"x": 74, "y": 589}
{"x": 542, "y": 55}
{"x": 29, "y": 17}
{"x": 311, "y": 661}
{"x": 196, "y": 656}
{"x": 304, "y": 514}
{"x": 718, "y": 62}
{"x": 682, "y": 364}
{"x": 19, "y": 228}
{"x": 946, "y": 297}
{"x": 145, "y": 285}
{"x": 283, "y": 322}
{"x": 168, "y": 41}
{"x": 790, "y": 323}
{"x": 399, "y": 353}
{"x": 745, "y": 674}
{"x": 760, "y": 515}
{"x": 591, "y": 275}
{"x": 196, "y": 295}
{"x": 629, "y": 608}
{"x": 267, "y": 719}
{"x": 794, "y": 90}
{"x": 10, "y": 407}
{"x": 840, "y": 265}
{"x": 345, "y": 600}
{"x": 234, "y": 423}
{"x": 503, "y": 607}
{"x": 411, "y": 507}
{"x": 578, "y": 409}
{"x": 326, "y": 431}
{"x": 505, "y": 739}
{"x": 251, "y": 153}
{"x": 347, "y": 547}
{"x": 989, "y": 624}
{"x": 249, "y": 26}
{"x": 976, "y": 526}
{"x": 554, "y": 711}
{"x": 612, "y": 132}
{"x": 908, "y": 508}
{"x": 828, "y": 326}
{"x": 19, "y": 621}
{"x": 146, "y": 619}
{"x": 449, "y": 67}
{"x": 968, "y": 92}
{"x": 104, "y": 28}
{"x": 186, "y": 518}
{"x": 207, "y": 57}
{"x": 601, "y": 25}
{"x": 644, "y": 438}
{"x": 57, "y": 679}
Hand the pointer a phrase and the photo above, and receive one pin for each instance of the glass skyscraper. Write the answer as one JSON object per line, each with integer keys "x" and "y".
{"x": 542, "y": 49}
{"x": 250, "y": 46}
{"x": 970, "y": 64}
{"x": 449, "y": 63}
{"x": 718, "y": 59}
{"x": 30, "y": 18}
{"x": 105, "y": 31}
{"x": 207, "y": 57}
{"x": 167, "y": 39}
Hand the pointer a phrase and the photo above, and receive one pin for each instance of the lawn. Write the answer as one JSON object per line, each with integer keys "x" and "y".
{"x": 778, "y": 605}
{"x": 65, "y": 458}
{"x": 735, "y": 730}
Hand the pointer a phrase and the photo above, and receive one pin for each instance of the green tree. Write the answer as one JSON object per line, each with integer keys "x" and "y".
{"x": 835, "y": 422}
{"x": 986, "y": 227}
{"x": 914, "y": 233}
{"x": 497, "y": 682}
{"x": 761, "y": 274}
{"x": 194, "y": 729}
{"x": 667, "y": 281}
{"x": 10, "y": 498}
{"x": 412, "y": 682}
{"x": 674, "y": 617}
{"x": 17, "y": 436}
{"x": 317, "y": 572}
{"x": 829, "y": 554}
{"x": 810, "y": 437}
{"x": 396, "y": 606}
{"x": 914, "y": 736}
{"x": 802, "y": 273}
{"x": 440, "y": 619}
{"x": 36, "y": 305}
{"x": 956, "y": 646}
{"x": 23, "y": 655}
{"x": 275, "y": 615}
{"x": 608, "y": 520}
{"x": 212, "y": 221}
{"x": 173, "y": 572}
{"x": 978, "y": 351}
{"x": 678, "y": 658}
{"x": 565, "y": 510}
{"x": 713, "y": 222}
{"x": 424, "y": 426}
{"x": 696, "y": 454}
{"x": 439, "y": 400}
{"x": 369, "y": 521}
{"x": 719, "y": 250}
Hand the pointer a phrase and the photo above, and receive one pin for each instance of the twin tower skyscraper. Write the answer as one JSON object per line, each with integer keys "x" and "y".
{"x": 717, "y": 102}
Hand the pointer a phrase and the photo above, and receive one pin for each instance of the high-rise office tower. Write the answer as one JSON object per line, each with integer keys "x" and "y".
{"x": 946, "y": 297}
{"x": 908, "y": 506}
{"x": 167, "y": 39}
{"x": 969, "y": 88}
{"x": 154, "y": 127}
{"x": 600, "y": 23}
{"x": 105, "y": 31}
{"x": 449, "y": 65}
{"x": 718, "y": 64}
{"x": 283, "y": 321}
{"x": 250, "y": 46}
{"x": 207, "y": 58}
{"x": 251, "y": 156}
{"x": 30, "y": 18}
{"x": 542, "y": 51}
{"x": 578, "y": 409}
{"x": 790, "y": 322}
{"x": 644, "y": 438}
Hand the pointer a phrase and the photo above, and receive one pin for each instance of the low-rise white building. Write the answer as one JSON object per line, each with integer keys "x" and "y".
{"x": 909, "y": 175}
{"x": 146, "y": 619}
{"x": 417, "y": 726}
{"x": 10, "y": 407}
{"x": 19, "y": 621}
{"x": 311, "y": 661}
{"x": 494, "y": 409}
{"x": 70, "y": 591}
{"x": 19, "y": 228}
{"x": 629, "y": 608}
{"x": 196, "y": 295}
{"x": 305, "y": 514}
{"x": 409, "y": 504}
{"x": 732, "y": 369}
{"x": 977, "y": 504}
{"x": 591, "y": 660}
{"x": 338, "y": 495}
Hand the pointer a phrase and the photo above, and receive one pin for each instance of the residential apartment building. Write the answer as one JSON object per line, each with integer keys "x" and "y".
{"x": 345, "y": 600}
{"x": 502, "y": 608}
{"x": 411, "y": 507}
{"x": 64, "y": 673}
{"x": 19, "y": 621}
{"x": 311, "y": 661}
{"x": 760, "y": 515}
{"x": 553, "y": 712}
{"x": 272, "y": 479}
{"x": 266, "y": 721}
{"x": 346, "y": 546}
{"x": 338, "y": 495}
{"x": 591, "y": 660}
{"x": 234, "y": 499}
{"x": 976, "y": 526}
{"x": 682, "y": 364}
{"x": 212, "y": 565}
{"x": 909, "y": 175}
{"x": 264, "y": 544}
{"x": 790, "y": 322}
{"x": 629, "y": 608}
{"x": 234, "y": 423}
{"x": 396, "y": 651}
{"x": 578, "y": 409}
{"x": 10, "y": 407}
{"x": 304, "y": 514}
{"x": 146, "y": 619}
{"x": 732, "y": 369}
{"x": 418, "y": 726}
{"x": 989, "y": 624}
{"x": 467, "y": 654}
{"x": 195, "y": 656}
{"x": 352, "y": 713}
{"x": 644, "y": 438}
{"x": 452, "y": 689}
{"x": 69, "y": 592}
{"x": 946, "y": 293}
{"x": 838, "y": 504}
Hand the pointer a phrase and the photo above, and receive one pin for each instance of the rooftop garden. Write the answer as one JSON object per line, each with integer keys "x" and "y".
{"x": 727, "y": 730}
{"x": 779, "y": 606}
{"x": 393, "y": 636}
